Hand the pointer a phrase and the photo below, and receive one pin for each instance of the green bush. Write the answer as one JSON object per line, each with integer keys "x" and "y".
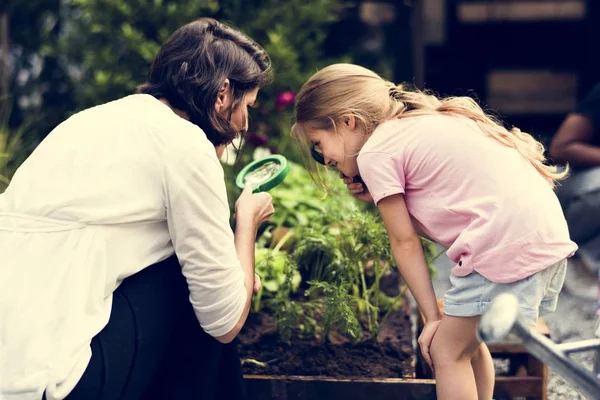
{"x": 13, "y": 149}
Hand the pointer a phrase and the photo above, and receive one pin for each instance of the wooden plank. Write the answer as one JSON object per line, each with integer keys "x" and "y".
{"x": 537, "y": 368}
{"x": 263, "y": 387}
{"x": 502, "y": 350}
{"x": 532, "y": 10}
{"x": 312, "y": 388}
{"x": 522, "y": 386}
{"x": 531, "y": 91}
{"x": 305, "y": 378}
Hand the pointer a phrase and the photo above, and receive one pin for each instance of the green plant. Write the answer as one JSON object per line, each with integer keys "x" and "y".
{"x": 273, "y": 267}
{"x": 296, "y": 318}
{"x": 293, "y": 317}
{"x": 12, "y": 147}
{"x": 342, "y": 252}
{"x": 314, "y": 253}
{"x": 297, "y": 200}
{"x": 432, "y": 253}
{"x": 336, "y": 262}
{"x": 360, "y": 250}
{"x": 338, "y": 310}
{"x": 36, "y": 79}
{"x": 113, "y": 42}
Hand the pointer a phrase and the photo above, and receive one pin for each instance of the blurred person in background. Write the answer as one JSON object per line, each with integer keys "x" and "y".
{"x": 577, "y": 142}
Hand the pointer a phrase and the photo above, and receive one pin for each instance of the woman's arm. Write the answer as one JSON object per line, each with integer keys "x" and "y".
{"x": 218, "y": 266}
{"x": 408, "y": 254}
{"x": 251, "y": 211}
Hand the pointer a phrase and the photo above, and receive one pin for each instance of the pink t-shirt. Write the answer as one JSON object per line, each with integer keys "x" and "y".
{"x": 476, "y": 197}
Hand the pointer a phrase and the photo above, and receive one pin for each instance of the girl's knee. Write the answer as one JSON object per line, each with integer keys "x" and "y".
{"x": 443, "y": 354}
{"x": 448, "y": 352}
{"x": 455, "y": 340}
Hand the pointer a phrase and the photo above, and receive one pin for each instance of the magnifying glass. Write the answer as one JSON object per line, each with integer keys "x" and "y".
{"x": 264, "y": 174}
{"x": 318, "y": 157}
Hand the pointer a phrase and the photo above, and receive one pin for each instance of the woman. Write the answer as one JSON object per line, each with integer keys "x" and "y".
{"x": 118, "y": 266}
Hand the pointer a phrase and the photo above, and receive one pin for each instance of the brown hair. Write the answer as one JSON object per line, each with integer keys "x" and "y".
{"x": 192, "y": 66}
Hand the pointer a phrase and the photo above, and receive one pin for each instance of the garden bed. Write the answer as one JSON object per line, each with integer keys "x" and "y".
{"x": 391, "y": 356}
{"x": 307, "y": 369}
{"x": 332, "y": 320}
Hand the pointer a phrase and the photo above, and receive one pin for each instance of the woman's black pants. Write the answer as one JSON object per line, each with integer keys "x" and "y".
{"x": 154, "y": 348}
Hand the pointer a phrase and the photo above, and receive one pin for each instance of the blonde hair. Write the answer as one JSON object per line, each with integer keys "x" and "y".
{"x": 347, "y": 89}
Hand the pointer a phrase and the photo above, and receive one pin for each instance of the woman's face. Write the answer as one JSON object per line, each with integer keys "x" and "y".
{"x": 239, "y": 115}
{"x": 220, "y": 149}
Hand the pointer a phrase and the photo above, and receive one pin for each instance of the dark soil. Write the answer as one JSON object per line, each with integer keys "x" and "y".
{"x": 391, "y": 356}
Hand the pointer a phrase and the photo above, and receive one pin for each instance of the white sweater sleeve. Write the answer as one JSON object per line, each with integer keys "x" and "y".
{"x": 198, "y": 220}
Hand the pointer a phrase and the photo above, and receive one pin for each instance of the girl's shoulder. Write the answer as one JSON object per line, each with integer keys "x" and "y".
{"x": 410, "y": 123}
{"x": 413, "y": 128}
{"x": 423, "y": 133}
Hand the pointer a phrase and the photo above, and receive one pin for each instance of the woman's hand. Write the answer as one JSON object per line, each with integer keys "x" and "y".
{"x": 257, "y": 284}
{"x": 358, "y": 191}
{"x": 254, "y": 207}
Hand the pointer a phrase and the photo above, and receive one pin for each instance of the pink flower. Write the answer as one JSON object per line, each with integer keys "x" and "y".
{"x": 286, "y": 98}
{"x": 256, "y": 139}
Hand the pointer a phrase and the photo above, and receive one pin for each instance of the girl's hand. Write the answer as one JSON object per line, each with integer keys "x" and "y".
{"x": 255, "y": 207}
{"x": 426, "y": 338}
{"x": 358, "y": 191}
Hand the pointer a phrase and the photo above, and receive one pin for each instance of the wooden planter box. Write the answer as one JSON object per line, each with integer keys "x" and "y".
{"x": 527, "y": 378}
{"x": 260, "y": 387}
{"x": 286, "y": 387}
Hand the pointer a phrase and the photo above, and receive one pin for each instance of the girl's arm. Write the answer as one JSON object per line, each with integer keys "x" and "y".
{"x": 408, "y": 253}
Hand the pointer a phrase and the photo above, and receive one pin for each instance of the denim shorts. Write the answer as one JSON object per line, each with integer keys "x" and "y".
{"x": 538, "y": 294}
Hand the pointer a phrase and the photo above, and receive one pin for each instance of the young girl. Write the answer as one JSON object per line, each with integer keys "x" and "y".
{"x": 444, "y": 169}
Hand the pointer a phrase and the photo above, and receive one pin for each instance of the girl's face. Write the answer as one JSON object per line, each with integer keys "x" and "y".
{"x": 339, "y": 148}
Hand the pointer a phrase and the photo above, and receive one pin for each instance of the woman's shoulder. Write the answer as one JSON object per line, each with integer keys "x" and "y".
{"x": 169, "y": 130}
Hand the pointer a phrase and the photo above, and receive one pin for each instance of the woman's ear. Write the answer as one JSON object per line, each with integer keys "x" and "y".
{"x": 223, "y": 97}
